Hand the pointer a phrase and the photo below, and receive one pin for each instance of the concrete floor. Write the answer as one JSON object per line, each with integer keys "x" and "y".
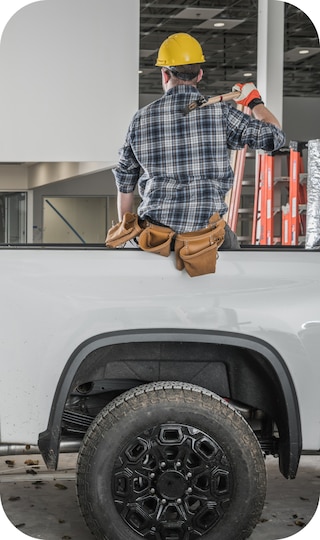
{"x": 43, "y": 504}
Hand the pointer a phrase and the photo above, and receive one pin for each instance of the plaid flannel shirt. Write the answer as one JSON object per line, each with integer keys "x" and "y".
{"x": 181, "y": 162}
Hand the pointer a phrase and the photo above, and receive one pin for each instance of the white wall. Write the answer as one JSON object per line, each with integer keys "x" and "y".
{"x": 64, "y": 67}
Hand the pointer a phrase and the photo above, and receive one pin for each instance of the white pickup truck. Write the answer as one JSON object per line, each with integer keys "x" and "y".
{"x": 172, "y": 388}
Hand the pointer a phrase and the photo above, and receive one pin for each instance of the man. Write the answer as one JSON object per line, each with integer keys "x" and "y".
{"x": 181, "y": 161}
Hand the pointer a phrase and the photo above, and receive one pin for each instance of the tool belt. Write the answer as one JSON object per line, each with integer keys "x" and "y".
{"x": 195, "y": 251}
{"x": 156, "y": 239}
{"x": 123, "y": 231}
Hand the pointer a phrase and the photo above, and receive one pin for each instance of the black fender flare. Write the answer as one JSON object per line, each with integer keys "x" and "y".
{"x": 49, "y": 440}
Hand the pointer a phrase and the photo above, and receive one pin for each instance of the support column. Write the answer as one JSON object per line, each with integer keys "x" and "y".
{"x": 30, "y": 229}
{"x": 270, "y": 55}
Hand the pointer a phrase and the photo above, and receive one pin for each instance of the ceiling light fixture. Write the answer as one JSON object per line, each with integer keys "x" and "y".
{"x": 197, "y": 13}
{"x": 221, "y": 24}
{"x": 298, "y": 54}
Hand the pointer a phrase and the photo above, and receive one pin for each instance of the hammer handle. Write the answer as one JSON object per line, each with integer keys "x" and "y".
{"x": 223, "y": 97}
{"x": 212, "y": 100}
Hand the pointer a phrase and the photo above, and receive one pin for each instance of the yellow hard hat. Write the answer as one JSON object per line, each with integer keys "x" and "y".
{"x": 180, "y": 49}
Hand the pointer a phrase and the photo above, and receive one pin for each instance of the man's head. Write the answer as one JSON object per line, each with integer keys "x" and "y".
{"x": 180, "y": 57}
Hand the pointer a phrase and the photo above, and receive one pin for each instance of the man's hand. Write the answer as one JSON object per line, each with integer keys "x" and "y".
{"x": 249, "y": 96}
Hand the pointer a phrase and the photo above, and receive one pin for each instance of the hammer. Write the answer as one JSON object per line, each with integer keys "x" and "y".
{"x": 202, "y": 101}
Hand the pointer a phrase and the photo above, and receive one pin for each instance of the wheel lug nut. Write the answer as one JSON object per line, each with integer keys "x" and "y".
{"x": 189, "y": 475}
{"x": 179, "y": 501}
{"x": 189, "y": 490}
{"x": 178, "y": 464}
{"x": 152, "y": 475}
{"x": 162, "y": 464}
{"x": 163, "y": 501}
{"x": 152, "y": 491}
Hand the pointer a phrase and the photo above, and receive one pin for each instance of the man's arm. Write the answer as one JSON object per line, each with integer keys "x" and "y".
{"x": 124, "y": 203}
{"x": 260, "y": 112}
{"x": 250, "y": 97}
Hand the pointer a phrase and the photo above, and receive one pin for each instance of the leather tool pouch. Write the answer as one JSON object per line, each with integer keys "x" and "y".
{"x": 197, "y": 251}
{"x": 123, "y": 231}
{"x": 156, "y": 239}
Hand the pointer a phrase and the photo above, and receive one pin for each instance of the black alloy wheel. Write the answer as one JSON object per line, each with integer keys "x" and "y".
{"x": 170, "y": 461}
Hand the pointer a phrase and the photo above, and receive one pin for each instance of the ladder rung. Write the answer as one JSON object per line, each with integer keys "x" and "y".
{"x": 248, "y": 182}
{"x": 281, "y": 179}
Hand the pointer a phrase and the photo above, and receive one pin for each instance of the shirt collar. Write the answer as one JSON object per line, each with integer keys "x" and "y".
{"x": 182, "y": 89}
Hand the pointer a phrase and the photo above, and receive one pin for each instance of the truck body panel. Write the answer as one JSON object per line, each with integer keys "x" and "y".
{"x": 55, "y": 300}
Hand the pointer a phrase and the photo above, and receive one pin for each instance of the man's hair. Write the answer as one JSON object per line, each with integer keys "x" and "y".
{"x": 187, "y": 72}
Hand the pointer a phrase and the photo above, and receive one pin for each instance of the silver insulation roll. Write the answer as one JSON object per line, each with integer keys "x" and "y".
{"x": 313, "y": 189}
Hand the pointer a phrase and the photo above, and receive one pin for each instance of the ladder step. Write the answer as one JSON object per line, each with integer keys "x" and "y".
{"x": 281, "y": 179}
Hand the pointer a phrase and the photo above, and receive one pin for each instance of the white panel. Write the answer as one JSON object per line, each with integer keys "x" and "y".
{"x": 8, "y": 8}
{"x": 64, "y": 69}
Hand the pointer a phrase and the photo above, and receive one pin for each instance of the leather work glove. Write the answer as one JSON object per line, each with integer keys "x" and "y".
{"x": 249, "y": 96}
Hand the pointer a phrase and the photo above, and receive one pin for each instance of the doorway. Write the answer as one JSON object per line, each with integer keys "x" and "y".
{"x": 13, "y": 218}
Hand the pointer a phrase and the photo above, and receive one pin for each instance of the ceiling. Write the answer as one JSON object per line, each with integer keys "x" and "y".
{"x": 230, "y": 50}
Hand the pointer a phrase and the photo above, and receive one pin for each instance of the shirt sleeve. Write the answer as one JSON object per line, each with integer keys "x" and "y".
{"x": 127, "y": 172}
{"x": 242, "y": 129}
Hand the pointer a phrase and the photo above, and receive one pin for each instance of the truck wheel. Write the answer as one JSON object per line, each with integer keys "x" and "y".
{"x": 170, "y": 461}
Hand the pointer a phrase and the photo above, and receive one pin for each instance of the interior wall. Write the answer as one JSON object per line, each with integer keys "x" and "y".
{"x": 97, "y": 185}
{"x": 301, "y": 118}
{"x": 13, "y": 178}
{"x": 74, "y": 219}
{"x": 58, "y": 97}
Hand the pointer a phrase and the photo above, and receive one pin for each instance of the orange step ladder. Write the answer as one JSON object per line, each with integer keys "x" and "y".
{"x": 266, "y": 224}
{"x": 294, "y": 213}
{"x": 233, "y": 197}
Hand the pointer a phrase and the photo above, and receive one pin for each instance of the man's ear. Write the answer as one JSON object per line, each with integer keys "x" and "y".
{"x": 165, "y": 75}
{"x": 200, "y": 75}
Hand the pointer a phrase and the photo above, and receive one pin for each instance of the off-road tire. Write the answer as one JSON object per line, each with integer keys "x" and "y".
{"x": 170, "y": 460}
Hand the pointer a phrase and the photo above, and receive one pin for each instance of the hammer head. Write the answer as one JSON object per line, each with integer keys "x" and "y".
{"x": 195, "y": 105}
